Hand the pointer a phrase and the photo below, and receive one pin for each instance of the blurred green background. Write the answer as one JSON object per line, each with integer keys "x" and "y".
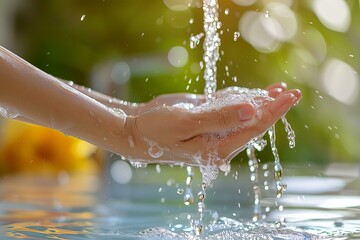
{"x": 136, "y": 50}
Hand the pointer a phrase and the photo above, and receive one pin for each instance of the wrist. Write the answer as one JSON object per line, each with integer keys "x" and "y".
{"x": 124, "y": 139}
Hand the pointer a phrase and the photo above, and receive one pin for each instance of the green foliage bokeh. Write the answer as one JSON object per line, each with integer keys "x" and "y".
{"x": 68, "y": 38}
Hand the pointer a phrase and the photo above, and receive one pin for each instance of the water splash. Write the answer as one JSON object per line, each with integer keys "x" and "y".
{"x": 236, "y": 36}
{"x": 230, "y": 229}
{"x": 195, "y": 40}
{"x": 214, "y": 100}
{"x": 290, "y": 132}
{"x": 278, "y": 170}
{"x": 137, "y": 164}
{"x": 6, "y": 113}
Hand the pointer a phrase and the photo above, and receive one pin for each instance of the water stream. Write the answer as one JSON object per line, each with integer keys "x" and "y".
{"x": 211, "y": 47}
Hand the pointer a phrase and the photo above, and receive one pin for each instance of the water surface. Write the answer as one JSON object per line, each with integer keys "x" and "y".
{"x": 318, "y": 204}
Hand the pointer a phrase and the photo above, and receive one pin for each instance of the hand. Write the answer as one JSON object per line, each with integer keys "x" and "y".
{"x": 175, "y": 98}
{"x": 153, "y": 132}
{"x": 170, "y": 134}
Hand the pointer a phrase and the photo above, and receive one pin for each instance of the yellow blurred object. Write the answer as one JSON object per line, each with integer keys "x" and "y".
{"x": 30, "y": 148}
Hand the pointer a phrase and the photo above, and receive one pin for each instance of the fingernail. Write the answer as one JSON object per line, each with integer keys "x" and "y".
{"x": 246, "y": 113}
{"x": 276, "y": 90}
{"x": 279, "y": 90}
{"x": 283, "y": 84}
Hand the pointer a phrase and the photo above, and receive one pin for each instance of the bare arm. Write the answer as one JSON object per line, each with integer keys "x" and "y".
{"x": 42, "y": 99}
{"x": 176, "y": 134}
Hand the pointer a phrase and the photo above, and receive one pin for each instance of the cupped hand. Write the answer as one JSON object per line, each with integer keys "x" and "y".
{"x": 163, "y": 133}
{"x": 176, "y": 98}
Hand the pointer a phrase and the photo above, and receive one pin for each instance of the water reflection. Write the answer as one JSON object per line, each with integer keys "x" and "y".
{"x": 46, "y": 207}
{"x": 47, "y": 229}
{"x": 83, "y": 207}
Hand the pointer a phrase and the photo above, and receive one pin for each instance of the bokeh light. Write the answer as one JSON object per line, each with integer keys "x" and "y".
{"x": 341, "y": 81}
{"x": 178, "y": 5}
{"x": 284, "y": 25}
{"x": 266, "y": 30}
{"x": 121, "y": 172}
{"x": 334, "y": 14}
{"x": 244, "y": 2}
{"x": 253, "y": 27}
{"x": 178, "y": 56}
{"x": 120, "y": 73}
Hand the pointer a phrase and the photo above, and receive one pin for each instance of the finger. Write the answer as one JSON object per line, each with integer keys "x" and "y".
{"x": 223, "y": 119}
{"x": 281, "y": 85}
{"x": 276, "y": 89}
{"x": 172, "y": 99}
{"x": 275, "y": 92}
{"x": 274, "y": 111}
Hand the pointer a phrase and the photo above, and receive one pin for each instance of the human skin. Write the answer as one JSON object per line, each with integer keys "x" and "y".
{"x": 37, "y": 97}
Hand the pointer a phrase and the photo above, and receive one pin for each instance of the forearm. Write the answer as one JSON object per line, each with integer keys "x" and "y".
{"x": 42, "y": 99}
{"x": 128, "y": 107}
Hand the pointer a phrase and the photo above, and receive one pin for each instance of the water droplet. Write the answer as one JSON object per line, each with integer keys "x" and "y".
{"x": 82, "y": 17}
{"x": 236, "y": 36}
{"x": 201, "y": 195}
{"x": 180, "y": 191}
{"x": 158, "y": 168}
{"x": 195, "y": 40}
{"x": 155, "y": 151}
{"x": 170, "y": 182}
{"x": 278, "y": 172}
{"x": 6, "y": 113}
{"x": 267, "y": 14}
{"x": 226, "y": 11}
{"x": 136, "y": 164}
{"x": 188, "y": 198}
{"x": 201, "y": 207}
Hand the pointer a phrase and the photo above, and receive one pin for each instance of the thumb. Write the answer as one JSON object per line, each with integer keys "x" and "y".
{"x": 225, "y": 118}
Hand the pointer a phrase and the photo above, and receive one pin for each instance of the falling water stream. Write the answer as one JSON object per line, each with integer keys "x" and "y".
{"x": 211, "y": 56}
{"x": 211, "y": 46}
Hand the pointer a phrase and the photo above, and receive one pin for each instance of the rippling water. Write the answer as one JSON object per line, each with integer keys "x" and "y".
{"x": 318, "y": 204}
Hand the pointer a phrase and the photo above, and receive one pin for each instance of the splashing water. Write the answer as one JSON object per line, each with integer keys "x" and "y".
{"x": 211, "y": 55}
{"x": 278, "y": 170}
{"x": 290, "y": 132}
{"x": 209, "y": 167}
{"x": 195, "y": 40}
{"x": 230, "y": 96}
{"x": 6, "y": 113}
